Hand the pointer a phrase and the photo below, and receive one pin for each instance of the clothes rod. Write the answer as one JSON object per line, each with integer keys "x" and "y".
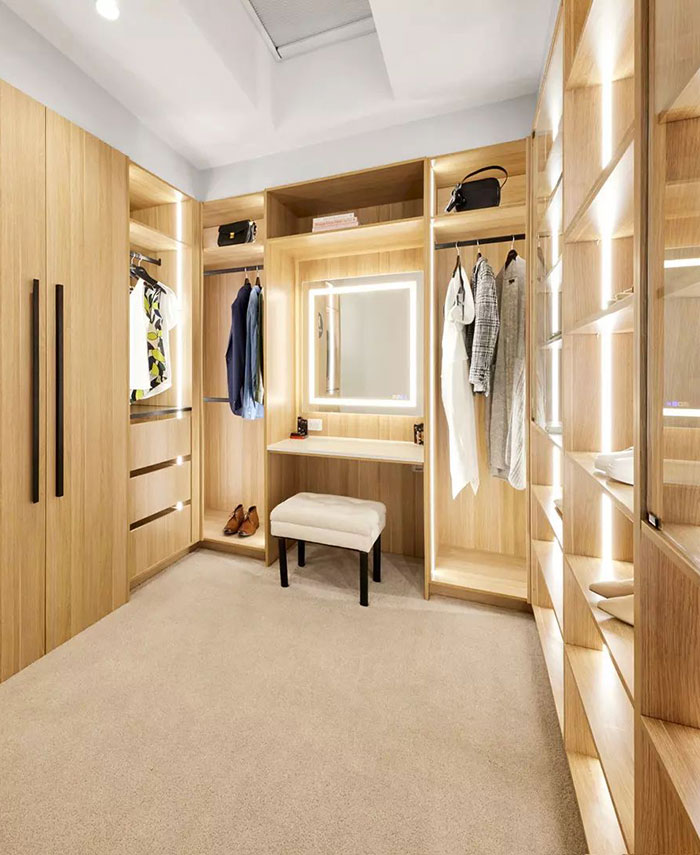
{"x": 137, "y": 256}
{"x": 248, "y": 269}
{"x": 479, "y": 242}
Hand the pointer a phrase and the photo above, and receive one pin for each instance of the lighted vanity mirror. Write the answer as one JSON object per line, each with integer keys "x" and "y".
{"x": 364, "y": 344}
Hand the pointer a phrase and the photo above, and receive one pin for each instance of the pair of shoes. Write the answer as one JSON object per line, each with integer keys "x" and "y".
{"x": 618, "y": 465}
{"x": 241, "y": 523}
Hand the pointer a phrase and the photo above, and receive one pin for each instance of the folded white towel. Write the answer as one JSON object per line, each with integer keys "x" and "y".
{"x": 602, "y": 461}
{"x": 622, "y": 470}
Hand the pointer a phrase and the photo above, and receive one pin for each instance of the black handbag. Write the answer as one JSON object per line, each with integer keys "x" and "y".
{"x": 482, "y": 193}
{"x": 242, "y": 231}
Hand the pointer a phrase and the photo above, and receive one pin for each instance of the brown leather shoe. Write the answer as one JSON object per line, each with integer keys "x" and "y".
{"x": 235, "y": 521}
{"x": 250, "y": 524}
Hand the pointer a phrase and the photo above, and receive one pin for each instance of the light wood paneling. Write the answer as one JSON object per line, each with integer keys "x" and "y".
{"x": 153, "y": 442}
{"x": 213, "y": 536}
{"x": 380, "y": 237}
{"x": 677, "y": 59}
{"x": 451, "y": 168}
{"x": 147, "y": 190}
{"x": 86, "y": 217}
{"x": 479, "y": 571}
{"x": 609, "y": 23}
{"x": 158, "y": 541}
{"x": 597, "y": 813}
{"x": 159, "y": 489}
{"x": 22, "y": 259}
{"x": 553, "y": 649}
{"x": 220, "y": 211}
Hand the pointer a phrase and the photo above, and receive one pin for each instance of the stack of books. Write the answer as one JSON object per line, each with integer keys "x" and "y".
{"x": 335, "y": 221}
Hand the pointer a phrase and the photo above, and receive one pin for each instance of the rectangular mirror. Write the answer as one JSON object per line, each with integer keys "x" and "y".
{"x": 364, "y": 344}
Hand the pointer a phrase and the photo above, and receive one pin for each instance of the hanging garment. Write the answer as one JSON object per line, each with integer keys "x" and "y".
{"x": 259, "y": 389}
{"x": 161, "y": 308}
{"x": 235, "y": 352}
{"x": 483, "y": 333}
{"x": 139, "y": 377}
{"x": 505, "y": 428}
{"x": 457, "y": 395}
{"x": 252, "y": 409}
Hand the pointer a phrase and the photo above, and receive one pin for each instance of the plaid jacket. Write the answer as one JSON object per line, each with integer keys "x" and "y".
{"x": 482, "y": 335}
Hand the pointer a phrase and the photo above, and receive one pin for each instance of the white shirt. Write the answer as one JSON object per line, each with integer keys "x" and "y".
{"x": 138, "y": 339}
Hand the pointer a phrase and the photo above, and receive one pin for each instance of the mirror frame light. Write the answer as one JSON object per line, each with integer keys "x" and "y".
{"x": 411, "y": 403}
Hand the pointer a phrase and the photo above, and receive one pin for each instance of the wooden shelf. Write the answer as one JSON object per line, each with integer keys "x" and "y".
{"x": 553, "y": 342}
{"x": 213, "y": 523}
{"x": 597, "y": 812}
{"x": 380, "y": 450}
{"x": 545, "y": 496}
{"x": 145, "y": 237}
{"x": 552, "y": 170}
{"x": 551, "y": 564}
{"x": 686, "y": 104}
{"x": 486, "y": 222}
{"x": 608, "y": 209}
{"x": 617, "y": 318}
{"x": 480, "y": 572}
{"x": 553, "y": 276}
{"x": 678, "y": 750}
{"x": 610, "y": 717}
{"x": 609, "y": 23}
{"x": 621, "y": 494}
{"x": 686, "y": 537}
{"x": 245, "y": 254}
{"x": 556, "y": 439}
{"x": 146, "y": 190}
{"x": 550, "y": 221}
{"x": 220, "y": 211}
{"x": 553, "y": 650}
{"x": 377, "y": 237}
{"x": 618, "y": 636}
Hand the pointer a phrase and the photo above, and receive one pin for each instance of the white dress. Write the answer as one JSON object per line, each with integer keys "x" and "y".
{"x": 457, "y": 395}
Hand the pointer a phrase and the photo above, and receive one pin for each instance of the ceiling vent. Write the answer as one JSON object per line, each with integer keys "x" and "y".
{"x": 293, "y": 27}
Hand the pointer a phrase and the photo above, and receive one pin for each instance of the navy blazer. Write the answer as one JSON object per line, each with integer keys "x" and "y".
{"x": 235, "y": 352}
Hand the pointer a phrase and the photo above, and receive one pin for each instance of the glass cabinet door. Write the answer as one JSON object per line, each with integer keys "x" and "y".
{"x": 673, "y": 454}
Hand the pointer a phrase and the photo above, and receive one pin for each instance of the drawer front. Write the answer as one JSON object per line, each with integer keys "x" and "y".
{"x": 159, "y": 540}
{"x": 157, "y": 490}
{"x": 154, "y": 442}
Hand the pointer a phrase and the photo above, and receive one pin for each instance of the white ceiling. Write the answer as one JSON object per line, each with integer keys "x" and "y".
{"x": 288, "y": 21}
{"x": 200, "y": 75}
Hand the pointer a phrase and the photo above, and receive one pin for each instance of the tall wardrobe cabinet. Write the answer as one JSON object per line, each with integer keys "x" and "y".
{"x": 63, "y": 379}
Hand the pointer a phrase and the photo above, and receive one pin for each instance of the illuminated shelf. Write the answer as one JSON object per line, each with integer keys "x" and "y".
{"x": 146, "y": 237}
{"x": 609, "y": 23}
{"x": 551, "y": 564}
{"x": 686, "y": 537}
{"x": 610, "y": 717}
{"x": 617, "y": 318}
{"x": 554, "y": 341}
{"x": 608, "y": 209}
{"x": 545, "y": 497}
{"x": 555, "y": 438}
{"x": 622, "y": 495}
{"x": 480, "y": 572}
{"x": 213, "y": 523}
{"x": 352, "y": 448}
{"x": 245, "y": 254}
{"x": 618, "y": 636}
{"x": 551, "y": 216}
{"x": 597, "y": 812}
{"x": 552, "y": 170}
{"x": 553, "y": 650}
{"x": 551, "y": 283}
{"x": 483, "y": 223}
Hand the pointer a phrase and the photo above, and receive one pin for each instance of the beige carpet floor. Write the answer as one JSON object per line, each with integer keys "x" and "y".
{"x": 219, "y": 713}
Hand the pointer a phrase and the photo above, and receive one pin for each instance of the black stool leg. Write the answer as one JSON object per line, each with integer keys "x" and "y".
{"x": 301, "y": 548}
{"x": 364, "y": 578}
{"x": 377, "y": 560}
{"x": 284, "y": 580}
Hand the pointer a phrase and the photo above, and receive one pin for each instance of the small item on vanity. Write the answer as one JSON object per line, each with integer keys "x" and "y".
{"x": 232, "y": 234}
{"x": 419, "y": 433}
{"x": 250, "y": 524}
{"x": 302, "y": 426}
{"x": 482, "y": 193}
{"x": 621, "y": 608}
{"x": 298, "y": 436}
{"x": 613, "y": 588}
{"x": 235, "y": 521}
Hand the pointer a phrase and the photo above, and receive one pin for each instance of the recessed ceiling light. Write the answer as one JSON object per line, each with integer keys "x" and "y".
{"x": 109, "y": 9}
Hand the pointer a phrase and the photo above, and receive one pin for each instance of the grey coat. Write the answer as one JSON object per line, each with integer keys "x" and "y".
{"x": 482, "y": 335}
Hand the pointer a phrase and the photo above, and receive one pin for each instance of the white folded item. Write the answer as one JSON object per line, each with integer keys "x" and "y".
{"x": 620, "y": 607}
{"x": 602, "y": 461}
{"x": 622, "y": 470}
{"x": 613, "y": 587}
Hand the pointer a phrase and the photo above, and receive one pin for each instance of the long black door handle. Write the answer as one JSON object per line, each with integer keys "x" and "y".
{"x": 35, "y": 391}
{"x": 59, "y": 391}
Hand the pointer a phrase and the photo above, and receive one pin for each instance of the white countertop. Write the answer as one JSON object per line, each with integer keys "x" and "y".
{"x": 384, "y": 450}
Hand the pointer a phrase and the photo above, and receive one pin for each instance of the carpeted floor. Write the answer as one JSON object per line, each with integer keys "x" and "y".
{"x": 219, "y": 713}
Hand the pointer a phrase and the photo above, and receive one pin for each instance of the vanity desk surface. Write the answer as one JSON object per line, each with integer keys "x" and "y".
{"x": 382, "y": 450}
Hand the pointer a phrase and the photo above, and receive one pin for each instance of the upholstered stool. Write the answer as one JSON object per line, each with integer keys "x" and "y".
{"x": 334, "y": 521}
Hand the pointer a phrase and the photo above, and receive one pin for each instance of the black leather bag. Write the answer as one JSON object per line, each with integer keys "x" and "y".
{"x": 242, "y": 231}
{"x": 482, "y": 193}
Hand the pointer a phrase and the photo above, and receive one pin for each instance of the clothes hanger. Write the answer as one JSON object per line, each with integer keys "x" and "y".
{"x": 512, "y": 253}
{"x": 140, "y": 272}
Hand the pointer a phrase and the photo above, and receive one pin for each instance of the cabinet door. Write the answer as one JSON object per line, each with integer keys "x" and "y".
{"x": 87, "y": 226}
{"x": 22, "y": 380}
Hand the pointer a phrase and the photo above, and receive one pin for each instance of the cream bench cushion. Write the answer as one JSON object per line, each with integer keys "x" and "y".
{"x": 331, "y": 520}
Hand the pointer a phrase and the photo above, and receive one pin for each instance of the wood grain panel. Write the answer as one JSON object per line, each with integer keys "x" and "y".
{"x": 22, "y": 259}
{"x": 87, "y": 217}
{"x": 152, "y": 442}
{"x": 147, "y": 190}
{"x": 157, "y": 490}
{"x": 677, "y": 58}
{"x": 220, "y": 211}
{"x": 158, "y": 541}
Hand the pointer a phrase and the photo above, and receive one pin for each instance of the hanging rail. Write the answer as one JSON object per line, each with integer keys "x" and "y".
{"x": 138, "y": 256}
{"x": 479, "y": 241}
{"x": 250, "y": 268}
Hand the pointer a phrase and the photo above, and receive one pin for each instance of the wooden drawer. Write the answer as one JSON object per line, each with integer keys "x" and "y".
{"x": 157, "y": 490}
{"x": 153, "y": 442}
{"x": 159, "y": 540}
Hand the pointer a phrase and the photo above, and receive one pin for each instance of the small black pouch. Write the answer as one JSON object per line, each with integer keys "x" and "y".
{"x": 482, "y": 193}
{"x": 242, "y": 231}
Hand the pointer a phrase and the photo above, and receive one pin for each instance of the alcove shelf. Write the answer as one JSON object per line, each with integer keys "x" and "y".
{"x": 152, "y": 239}
{"x": 213, "y": 522}
{"x": 242, "y": 255}
{"x": 351, "y": 448}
